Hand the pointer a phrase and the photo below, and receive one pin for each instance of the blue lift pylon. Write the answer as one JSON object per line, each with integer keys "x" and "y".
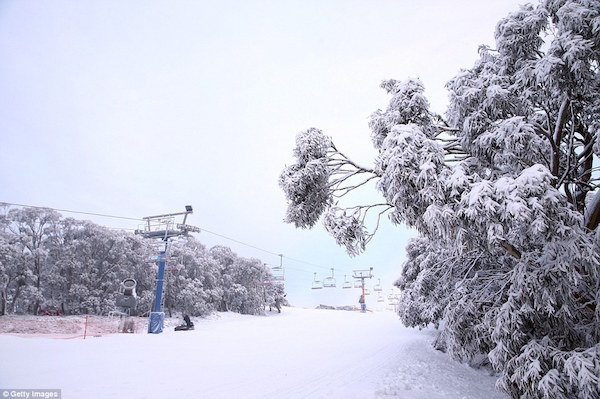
{"x": 164, "y": 228}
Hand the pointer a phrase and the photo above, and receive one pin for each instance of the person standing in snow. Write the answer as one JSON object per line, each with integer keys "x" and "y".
{"x": 363, "y": 305}
{"x": 279, "y": 300}
{"x": 278, "y": 303}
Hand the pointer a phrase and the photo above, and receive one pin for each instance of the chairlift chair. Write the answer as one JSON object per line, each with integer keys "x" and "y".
{"x": 357, "y": 284}
{"x": 317, "y": 285}
{"x": 329, "y": 282}
{"x": 377, "y": 287}
{"x": 347, "y": 284}
{"x": 277, "y": 274}
{"x": 380, "y": 298}
{"x": 277, "y": 271}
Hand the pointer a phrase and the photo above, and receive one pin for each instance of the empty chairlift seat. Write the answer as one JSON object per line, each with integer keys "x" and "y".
{"x": 377, "y": 287}
{"x": 329, "y": 282}
{"x": 277, "y": 274}
{"x": 347, "y": 284}
{"x": 317, "y": 284}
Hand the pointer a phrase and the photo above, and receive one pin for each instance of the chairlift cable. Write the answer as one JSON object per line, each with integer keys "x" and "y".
{"x": 142, "y": 220}
{"x": 307, "y": 263}
{"x": 70, "y": 211}
{"x": 240, "y": 242}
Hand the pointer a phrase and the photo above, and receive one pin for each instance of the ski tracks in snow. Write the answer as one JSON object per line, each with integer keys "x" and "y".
{"x": 426, "y": 373}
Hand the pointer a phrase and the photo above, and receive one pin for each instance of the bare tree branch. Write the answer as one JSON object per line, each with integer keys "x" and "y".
{"x": 557, "y": 137}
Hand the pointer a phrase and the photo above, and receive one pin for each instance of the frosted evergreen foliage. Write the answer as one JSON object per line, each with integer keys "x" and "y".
{"x": 322, "y": 173}
{"x": 348, "y": 229}
{"x": 504, "y": 194}
{"x": 407, "y": 105}
{"x": 306, "y": 183}
{"x": 409, "y": 166}
{"x": 422, "y": 299}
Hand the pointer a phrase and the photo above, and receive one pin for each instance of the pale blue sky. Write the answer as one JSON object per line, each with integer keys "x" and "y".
{"x": 137, "y": 108}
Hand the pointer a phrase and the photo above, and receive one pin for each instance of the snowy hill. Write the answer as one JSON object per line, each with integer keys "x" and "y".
{"x": 300, "y": 353}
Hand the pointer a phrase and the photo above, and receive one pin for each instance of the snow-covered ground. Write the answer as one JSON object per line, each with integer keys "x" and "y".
{"x": 300, "y": 353}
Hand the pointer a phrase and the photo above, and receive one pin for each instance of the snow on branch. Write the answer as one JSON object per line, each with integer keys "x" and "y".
{"x": 320, "y": 174}
{"x": 347, "y": 226}
{"x": 504, "y": 193}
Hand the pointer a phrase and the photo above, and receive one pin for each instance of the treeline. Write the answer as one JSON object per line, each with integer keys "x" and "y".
{"x": 76, "y": 267}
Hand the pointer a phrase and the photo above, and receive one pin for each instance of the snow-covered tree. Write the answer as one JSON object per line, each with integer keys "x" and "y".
{"x": 77, "y": 267}
{"x": 8, "y": 269}
{"x": 242, "y": 282}
{"x": 192, "y": 285}
{"x": 32, "y": 229}
{"x": 504, "y": 194}
{"x": 250, "y": 276}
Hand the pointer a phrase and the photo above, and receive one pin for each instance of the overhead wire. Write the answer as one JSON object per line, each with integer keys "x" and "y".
{"x": 240, "y": 242}
{"x": 203, "y": 229}
{"x": 270, "y": 252}
{"x": 266, "y": 251}
{"x": 69, "y": 211}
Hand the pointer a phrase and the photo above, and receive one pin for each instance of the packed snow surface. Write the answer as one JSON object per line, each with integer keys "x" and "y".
{"x": 300, "y": 353}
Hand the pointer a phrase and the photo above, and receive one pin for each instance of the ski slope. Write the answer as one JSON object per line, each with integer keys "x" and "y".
{"x": 300, "y": 353}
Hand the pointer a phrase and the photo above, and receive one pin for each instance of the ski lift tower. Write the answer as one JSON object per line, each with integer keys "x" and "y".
{"x": 362, "y": 275}
{"x": 163, "y": 227}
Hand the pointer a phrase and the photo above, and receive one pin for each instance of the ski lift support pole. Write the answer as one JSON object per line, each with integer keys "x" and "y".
{"x": 164, "y": 231}
{"x": 362, "y": 275}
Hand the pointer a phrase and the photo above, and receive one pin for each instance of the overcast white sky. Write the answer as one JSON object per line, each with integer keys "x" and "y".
{"x": 137, "y": 108}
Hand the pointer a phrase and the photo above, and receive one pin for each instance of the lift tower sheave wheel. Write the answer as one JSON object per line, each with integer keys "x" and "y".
{"x": 163, "y": 227}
